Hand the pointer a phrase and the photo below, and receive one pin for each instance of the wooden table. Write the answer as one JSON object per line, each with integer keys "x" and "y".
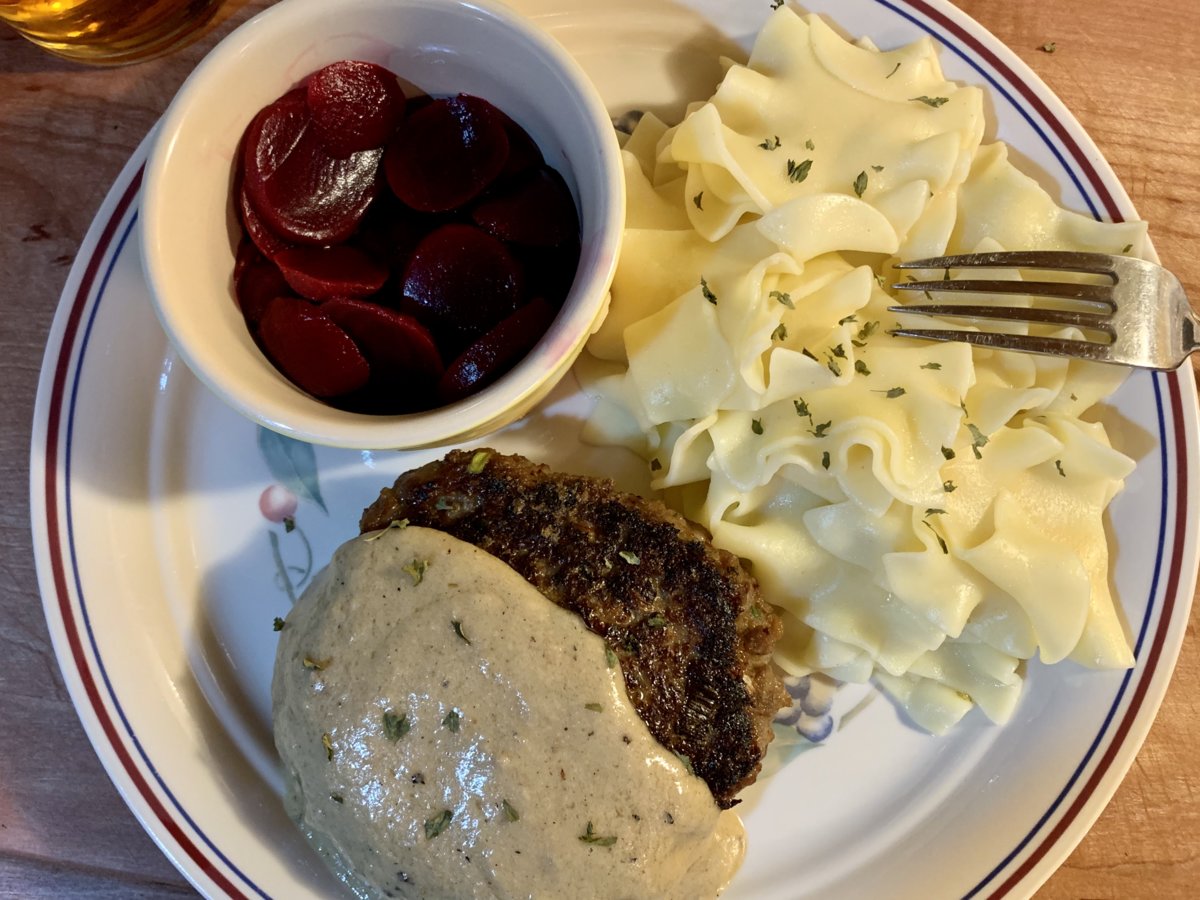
{"x": 1129, "y": 71}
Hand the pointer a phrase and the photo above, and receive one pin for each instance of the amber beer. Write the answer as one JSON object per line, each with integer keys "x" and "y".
{"x": 106, "y": 32}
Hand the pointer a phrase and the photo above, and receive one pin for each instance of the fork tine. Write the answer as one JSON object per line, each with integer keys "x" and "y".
{"x": 1093, "y": 321}
{"x": 1092, "y": 293}
{"x": 1053, "y": 346}
{"x": 1098, "y": 263}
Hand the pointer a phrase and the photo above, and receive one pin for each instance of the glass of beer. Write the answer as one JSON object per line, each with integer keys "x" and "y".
{"x": 106, "y": 32}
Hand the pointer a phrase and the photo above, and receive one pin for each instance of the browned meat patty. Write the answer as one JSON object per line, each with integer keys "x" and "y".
{"x": 692, "y": 633}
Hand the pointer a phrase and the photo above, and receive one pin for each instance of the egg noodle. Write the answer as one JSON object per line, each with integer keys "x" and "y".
{"x": 925, "y": 515}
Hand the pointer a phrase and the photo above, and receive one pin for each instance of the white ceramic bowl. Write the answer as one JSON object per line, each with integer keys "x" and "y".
{"x": 190, "y": 231}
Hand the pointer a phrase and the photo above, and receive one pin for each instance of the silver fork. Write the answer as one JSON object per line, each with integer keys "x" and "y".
{"x": 1142, "y": 314}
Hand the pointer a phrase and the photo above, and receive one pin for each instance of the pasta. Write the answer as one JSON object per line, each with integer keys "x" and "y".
{"x": 925, "y": 515}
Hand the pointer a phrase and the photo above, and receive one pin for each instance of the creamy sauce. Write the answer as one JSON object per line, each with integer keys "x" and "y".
{"x": 449, "y": 732}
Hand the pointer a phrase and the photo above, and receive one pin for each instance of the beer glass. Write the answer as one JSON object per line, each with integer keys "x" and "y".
{"x": 106, "y": 32}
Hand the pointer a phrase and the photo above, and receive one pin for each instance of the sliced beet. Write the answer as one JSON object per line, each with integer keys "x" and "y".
{"x": 523, "y": 152}
{"x": 496, "y": 352}
{"x": 315, "y": 353}
{"x": 447, "y": 153}
{"x": 391, "y": 231}
{"x": 462, "y": 280}
{"x": 355, "y": 106}
{"x": 322, "y": 273}
{"x": 302, "y": 193}
{"x": 549, "y": 271}
{"x": 394, "y": 344}
{"x": 536, "y": 210}
{"x": 259, "y": 283}
{"x": 263, "y": 237}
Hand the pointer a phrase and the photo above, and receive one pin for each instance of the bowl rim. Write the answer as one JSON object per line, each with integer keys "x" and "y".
{"x": 311, "y": 420}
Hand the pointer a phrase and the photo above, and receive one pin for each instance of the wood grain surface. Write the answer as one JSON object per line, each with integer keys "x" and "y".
{"x": 1130, "y": 72}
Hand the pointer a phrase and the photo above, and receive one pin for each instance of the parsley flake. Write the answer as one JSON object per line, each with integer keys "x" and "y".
{"x": 809, "y": 354}
{"x": 825, "y": 460}
{"x": 949, "y": 487}
{"x": 314, "y": 665}
{"x": 655, "y": 465}
{"x": 948, "y": 453}
{"x": 821, "y": 430}
{"x": 834, "y": 368}
{"x": 1127, "y": 248}
{"x": 289, "y": 524}
{"x": 797, "y": 172}
{"x": 756, "y": 426}
{"x": 395, "y": 726}
{"x": 845, "y": 319}
{"x": 876, "y": 168}
{"x": 1058, "y": 465}
{"x": 630, "y": 557}
{"x": 934, "y": 102}
{"x": 1048, "y": 47}
{"x": 839, "y": 351}
{"x": 780, "y": 333}
{"x": 478, "y": 461}
{"x": 453, "y": 721}
{"x": 435, "y": 825}
{"x": 893, "y": 72}
{"x": 860, "y": 183}
{"x": 978, "y": 439}
{"x": 861, "y": 367}
{"x": 771, "y": 143}
{"x": 699, "y": 201}
{"x": 610, "y": 658}
{"x": 510, "y": 811}
{"x": 594, "y": 707}
{"x": 708, "y": 294}
{"x": 935, "y": 366}
{"x": 278, "y": 624}
{"x": 590, "y": 836}
{"x": 457, "y": 625}
{"x": 775, "y": 4}
{"x": 809, "y": 145}
{"x": 416, "y": 570}
{"x": 327, "y": 743}
{"x": 783, "y": 297}
{"x": 893, "y": 393}
{"x": 935, "y": 511}
{"x": 941, "y": 541}
{"x": 802, "y": 408}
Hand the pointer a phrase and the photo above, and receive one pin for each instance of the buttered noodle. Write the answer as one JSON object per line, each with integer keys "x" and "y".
{"x": 926, "y": 515}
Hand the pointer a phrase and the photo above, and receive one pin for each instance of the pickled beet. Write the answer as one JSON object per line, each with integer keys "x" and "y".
{"x": 355, "y": 106}
{"x": 523, "y": 153}
{"x": 536, "y": 210}
{"x": 496, "y": 352}
{"x": 446, "y": 154}
{"x": 259, "y": 282}
{"x": 302, "y": 193}
{"x": 311, "y": 349}
{"x": 462, "y": 280}
{"x": 322, "y": 273}
{"x": 263, "y": 237}
{"x": 393, "y": 343}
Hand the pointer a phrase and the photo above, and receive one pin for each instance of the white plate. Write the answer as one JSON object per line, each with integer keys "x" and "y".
{"x": 160, "y": 576}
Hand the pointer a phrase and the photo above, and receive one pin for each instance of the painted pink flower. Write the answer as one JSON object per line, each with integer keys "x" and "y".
{"x": 277, "y": 503}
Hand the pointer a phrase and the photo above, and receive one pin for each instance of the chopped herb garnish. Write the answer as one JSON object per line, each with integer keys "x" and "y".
{"x": 315, "y": 665}
{"x": 416, "y": 570}
{"x": 756, "y": 426}
{"x": 893, "y": 72}
{"x": 337, "y": 798}
{"x": 443, "y": 504}
{"x": 452, "y": 720}
{"x": 289, "y": 524}
{"x": 435, "y": 825}
{"x": 845, "y": 319}
{"x": 687, "y": 763}
{"x": 376, "y": 535}
{"x": 893, "y": 393}
{"x": 1058, "y": 465}
{"x": 949, "y": 487}
{"x": 775, "y": 4}
{"x": 594, "y": 707}
{"x": 825, "y": 460}
{"x": 941, "y": 541}
{"x": 590, "y": 836}
{"x": 802, "y": 408}
{"x": 278, "y": 624}
{"x": 797, "y": 172}
{"x": 978, "y": 439}
{"x": 1048, "y": 47}
{"x": 630, "y": 557}
{"x": 656, "y": 621}
{"x": 935, "y": 511}
{"x": 610, "y": 657}
{"x": 935, "y": 102}
{"x": 699, "y": 200}
{"x": 708, "y": 294}
{"x": 771, "y": 143}
{"x": 809, "y": 145}
{"x": 478, "y": 461}
{"x": 821, "y": 430}
{"x": 860, "y": 183}
{"x": 935, "y": 366}
{"x": 783, "y": 297}
{"x": 861, "y": 367}
{"x": 327, "y": 743}
{"x": 457, "y": 625}
{"x": 780, "y": 333}
{"x": 395, "y": 726}
{"x": 839, "y": 351}
{"x": 876, "y": 168}
{"x": 1127, "y": 248}
{"x": 510, "y": 811}
{"x": 948, "y": 453}
{"x": 655, "y": 465}
{"x": 834, "y": 368}
{"x": 809, "y": 354}
{"x": 868, "y": 329}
